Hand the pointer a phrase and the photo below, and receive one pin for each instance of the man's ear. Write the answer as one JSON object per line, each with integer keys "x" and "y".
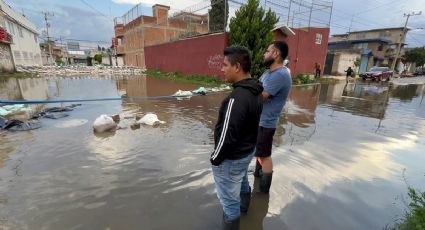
{"x": 238, "y": 67}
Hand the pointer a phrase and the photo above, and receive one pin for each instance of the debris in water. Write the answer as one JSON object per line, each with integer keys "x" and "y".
{"x": 200, "y": 91}
{"x": 17, "y": 125}
{"x": 104, "y": 123}
{"x": 181, "y": 93}
{"x": 150, "y": 119}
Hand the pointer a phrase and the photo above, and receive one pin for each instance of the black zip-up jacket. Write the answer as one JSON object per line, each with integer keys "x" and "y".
{"x": 236, "y": 130}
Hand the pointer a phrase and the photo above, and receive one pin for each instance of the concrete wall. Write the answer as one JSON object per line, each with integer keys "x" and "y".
{"x": 199, "y": 55}
{"x": 342, "y": 61}
{"x": 303, "y": 50}
{"x": 25, "y": 47}
{"x": 6, "y": 59}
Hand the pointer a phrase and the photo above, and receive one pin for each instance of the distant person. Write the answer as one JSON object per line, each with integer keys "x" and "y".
{"x": 285, "y": 64}
{"x": 318, "y": 70}
{"x": 235, "y": 135}
{"x": 277, "y": 83}
{"x": 349, "y": 72}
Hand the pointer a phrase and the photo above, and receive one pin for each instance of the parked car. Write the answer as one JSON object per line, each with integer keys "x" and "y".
{"x": 378, "y": 74}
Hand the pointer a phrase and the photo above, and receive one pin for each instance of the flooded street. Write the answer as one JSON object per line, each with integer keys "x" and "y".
{"x": 344, "y": 155}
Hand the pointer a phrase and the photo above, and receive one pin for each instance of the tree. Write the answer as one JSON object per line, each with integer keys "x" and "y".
{"x": 416, "y": 55}
{"x": 218, "y": 15}
{"x": 252, "y": 27}
{"x": 98, "y": 58}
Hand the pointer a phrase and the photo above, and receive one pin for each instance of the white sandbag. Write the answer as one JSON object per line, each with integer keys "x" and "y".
{"x": 182, "y": 93}
{"x": 200, "y": 90}
{"x": 150, "y": 119}
{"x": 225, "y": 87}
{"x": 104, "y": 123}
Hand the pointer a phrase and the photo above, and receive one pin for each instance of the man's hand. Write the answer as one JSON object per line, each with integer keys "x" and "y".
{"x": 215, "y": 163}
{"x": 266, "y": 96}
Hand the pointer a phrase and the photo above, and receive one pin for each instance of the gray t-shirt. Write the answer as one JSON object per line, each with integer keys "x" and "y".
{"x": 278, "y": 84}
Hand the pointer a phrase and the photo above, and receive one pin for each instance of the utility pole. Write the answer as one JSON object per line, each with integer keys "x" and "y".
{"x": 403, "y": 37}
{"x": 46, "y": 18}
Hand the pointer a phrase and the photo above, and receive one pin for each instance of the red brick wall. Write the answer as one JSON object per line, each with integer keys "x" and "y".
{"x": 303, "y": 51}
{"x": 199, "y": 55}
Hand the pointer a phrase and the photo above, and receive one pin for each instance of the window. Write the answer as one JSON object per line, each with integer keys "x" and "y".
{"x": 361, "y": 36}
{"x": 318, "y": 39}
{"x": 11, "y": 27}
{"x": 384, "y": 34}
{"x": 17, "y": 54}
{"x": 35, "y": 37}
{"x": 20, "y": 31}
{"x": 380, "y": 47}
{"x": 360, "y": 46}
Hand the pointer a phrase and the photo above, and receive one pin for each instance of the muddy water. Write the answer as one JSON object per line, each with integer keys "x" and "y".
{"x": 343, "y": 155}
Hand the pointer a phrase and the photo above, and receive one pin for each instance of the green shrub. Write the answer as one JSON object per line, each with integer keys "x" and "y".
{"x": 303, "y": 78}
{"x": 414, "y": 219}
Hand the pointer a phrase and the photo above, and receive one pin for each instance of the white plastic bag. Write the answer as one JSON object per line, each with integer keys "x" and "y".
{"x": 104, "y": 123}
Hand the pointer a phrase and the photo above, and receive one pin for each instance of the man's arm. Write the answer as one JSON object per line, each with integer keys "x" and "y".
{"x": 266, "y": 96}
{"x": 233, "y": 121}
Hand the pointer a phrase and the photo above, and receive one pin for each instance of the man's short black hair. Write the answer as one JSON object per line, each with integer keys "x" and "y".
{"x": 239, "y": 54}
{"x": 282, "y": 47}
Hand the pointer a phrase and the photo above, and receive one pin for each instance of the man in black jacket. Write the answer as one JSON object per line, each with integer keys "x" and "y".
{"x": 235, "y": 135}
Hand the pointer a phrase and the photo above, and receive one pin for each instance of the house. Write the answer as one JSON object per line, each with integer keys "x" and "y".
{"x": 25, "y": 48}
{"x": 135, "y": 31}
{"x": 377, "y": 47}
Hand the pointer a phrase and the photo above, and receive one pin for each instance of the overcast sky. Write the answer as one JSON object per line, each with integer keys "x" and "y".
{"x": 93, "y": 19}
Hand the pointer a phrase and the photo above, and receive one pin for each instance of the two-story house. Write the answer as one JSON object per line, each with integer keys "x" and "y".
{"x": 377, "y": 47}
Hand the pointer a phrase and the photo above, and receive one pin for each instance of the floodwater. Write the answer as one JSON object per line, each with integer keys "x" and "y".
{"x": 343, "y": 156}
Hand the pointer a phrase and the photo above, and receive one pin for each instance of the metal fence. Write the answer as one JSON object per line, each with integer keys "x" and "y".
{"x": 294, "y": 13}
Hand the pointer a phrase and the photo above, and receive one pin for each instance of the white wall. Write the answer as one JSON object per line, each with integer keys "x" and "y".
{"x": 25, "y": 47}
{"x": 342, "y": 61}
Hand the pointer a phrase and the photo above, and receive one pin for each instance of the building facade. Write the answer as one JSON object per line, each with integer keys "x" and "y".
{"x": 6, "y": 59}
{"x": 25, "y": 47}
{"x": 136, "y": 31}
{"x": 377, "y": 47}
{"x": 307, "y": 46}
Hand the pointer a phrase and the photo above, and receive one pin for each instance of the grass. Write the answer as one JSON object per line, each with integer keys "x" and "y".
{"x": 414, "y": 218}
{"x": 17, "y": 75}
{"x": 200, "y": 80}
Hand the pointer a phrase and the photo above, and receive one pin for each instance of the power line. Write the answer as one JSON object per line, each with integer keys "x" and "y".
{"x": 95, "y": 10}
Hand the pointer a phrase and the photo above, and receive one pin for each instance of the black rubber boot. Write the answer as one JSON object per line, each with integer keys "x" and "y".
{"x": 266, "y": 182}
{"x": 258, "y": 171}
{"x": 230, "y": 224}
{"x": 245, "y": 200}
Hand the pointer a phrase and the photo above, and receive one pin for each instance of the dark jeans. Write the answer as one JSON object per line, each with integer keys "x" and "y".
{"x": 317, "y": 74}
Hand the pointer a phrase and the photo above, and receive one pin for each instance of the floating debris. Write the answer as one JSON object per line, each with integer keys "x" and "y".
{"x": 10, "y": 109}
{"x": 104, "y": 123}
{"x": 17, "y": 125}
{"x": 150, "y": 119}
{"x": 200, "y": 91}
{"x": 181, "y": 93}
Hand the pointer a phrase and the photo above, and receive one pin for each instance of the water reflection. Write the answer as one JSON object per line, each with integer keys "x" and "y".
{"x": 26, "y": 89}
{"x": 339, "y": 153}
